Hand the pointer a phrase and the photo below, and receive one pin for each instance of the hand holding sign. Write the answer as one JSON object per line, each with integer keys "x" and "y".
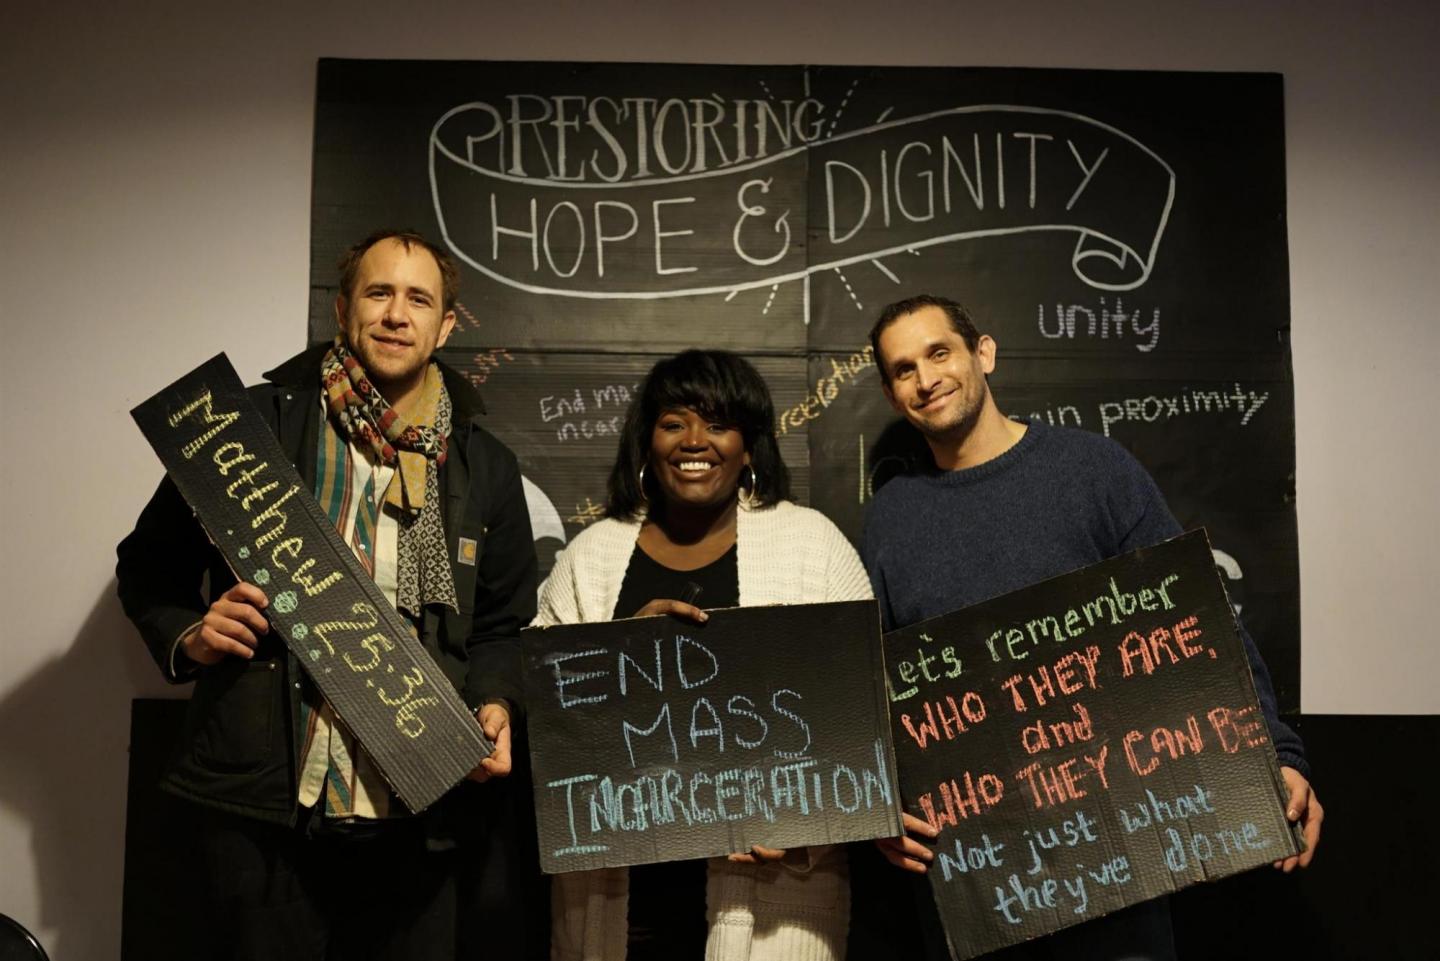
{"x": 1304, "y": 809}
{"x": 494, "y": 720}
{"x": 905, "y": 852}
{"x": 231, "y": 627}
{"x": 759, "y": 855}
{"x": 677, "y": 608}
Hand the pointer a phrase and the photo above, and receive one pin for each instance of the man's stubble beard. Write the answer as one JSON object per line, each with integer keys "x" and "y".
{"x": 964, "y": 423}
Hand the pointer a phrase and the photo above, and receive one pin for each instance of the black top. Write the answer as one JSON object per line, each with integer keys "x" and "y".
{"x": 667, "y": 900}
{"x": 646, "y": 579}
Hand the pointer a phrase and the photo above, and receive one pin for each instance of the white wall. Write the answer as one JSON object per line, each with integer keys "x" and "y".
{"x": 155, "y": 176}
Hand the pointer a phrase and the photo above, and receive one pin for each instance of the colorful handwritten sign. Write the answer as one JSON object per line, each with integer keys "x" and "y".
{"x": 1084, "y": 744}
{"x": 359, "y": 651}
{"x": 655, "y": 739}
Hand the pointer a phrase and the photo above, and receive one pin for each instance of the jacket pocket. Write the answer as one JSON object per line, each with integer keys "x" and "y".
{"x": 234, "y": 716}
{"x": 468, "y": 552}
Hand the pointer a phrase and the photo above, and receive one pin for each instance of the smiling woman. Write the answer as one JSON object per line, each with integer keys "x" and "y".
{"x": 698, "y": 402}
{"x": 698, "y": 509}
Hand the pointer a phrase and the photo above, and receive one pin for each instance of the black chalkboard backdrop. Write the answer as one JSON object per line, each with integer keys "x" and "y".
{"x": 272, "y": 532}
{"x": 654, "y": 739}
{"x": 1121, "y": 234}
{"x": 1083, "y": 744}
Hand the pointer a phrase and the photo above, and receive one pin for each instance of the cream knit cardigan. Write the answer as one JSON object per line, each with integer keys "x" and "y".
{"x": 786, "y": 554}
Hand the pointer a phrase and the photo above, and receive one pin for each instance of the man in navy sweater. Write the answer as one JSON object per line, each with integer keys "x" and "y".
{"x": 1007, "y": 505}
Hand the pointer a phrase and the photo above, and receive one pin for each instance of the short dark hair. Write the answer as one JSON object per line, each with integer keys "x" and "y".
{"x": 349, "y": 264}
{"x": 960, "y": 321}
{"x": 715, "y": 384}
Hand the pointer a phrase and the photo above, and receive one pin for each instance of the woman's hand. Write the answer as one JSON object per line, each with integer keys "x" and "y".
{"x": 679, "y": 608}
{"x": 758, "y": 855}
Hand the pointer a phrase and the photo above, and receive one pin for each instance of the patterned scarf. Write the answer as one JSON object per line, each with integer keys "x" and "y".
{"x": 415, "y": 449}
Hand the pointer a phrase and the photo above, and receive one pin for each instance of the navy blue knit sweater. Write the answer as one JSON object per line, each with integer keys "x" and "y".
{"x": 937, "y": 541}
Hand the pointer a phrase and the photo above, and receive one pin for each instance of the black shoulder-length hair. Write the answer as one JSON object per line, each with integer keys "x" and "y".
{"x": 715, "y": 384}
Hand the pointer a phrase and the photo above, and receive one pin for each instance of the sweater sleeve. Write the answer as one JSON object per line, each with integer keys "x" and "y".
{"x": 1145, "y": 520}
{"x": 559, "y": 601}
{"x": 1289, "y": 749}
{"x": 845, "y": 577}
{"x": 874, "y": 567}
{"x": 159, "y": 574}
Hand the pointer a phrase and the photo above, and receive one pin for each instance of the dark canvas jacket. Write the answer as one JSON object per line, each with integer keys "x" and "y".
{"x": 240, "y": 745}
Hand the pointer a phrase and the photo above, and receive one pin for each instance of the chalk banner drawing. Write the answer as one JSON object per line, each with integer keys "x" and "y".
{"x": 655, "y": 739}
{"x": 1112, "y": 192}
{"x": 272, "y": 532}
{"x": 1121, "y": 234}
{"x": 1084, "y": 744}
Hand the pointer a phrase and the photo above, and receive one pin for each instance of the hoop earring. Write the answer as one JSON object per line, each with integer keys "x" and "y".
{"x": 644, "y": 497}
{"x": 748, "y": 498}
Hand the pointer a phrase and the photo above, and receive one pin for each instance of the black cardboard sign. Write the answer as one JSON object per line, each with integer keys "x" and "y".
{"x": 655, "y": 739}
{"x": 360, "y": 652}
{"x": 1084, "y": 744}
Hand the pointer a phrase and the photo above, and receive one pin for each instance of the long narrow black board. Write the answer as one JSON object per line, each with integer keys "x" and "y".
{"x": 656, "y": 739}
{"x": 1084, "y": 744}
{"x": 360, "y": 652}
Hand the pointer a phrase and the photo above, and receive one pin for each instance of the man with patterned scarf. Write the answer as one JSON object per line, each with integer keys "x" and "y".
{"x": 305, "y": 851}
